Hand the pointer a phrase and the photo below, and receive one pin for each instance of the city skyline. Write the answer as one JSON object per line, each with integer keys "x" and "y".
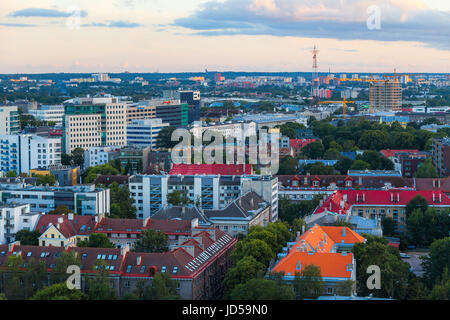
{"x": 232, "y": 35}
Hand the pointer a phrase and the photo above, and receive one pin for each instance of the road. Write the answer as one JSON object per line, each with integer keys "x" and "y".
{"x": 415, "y": 261}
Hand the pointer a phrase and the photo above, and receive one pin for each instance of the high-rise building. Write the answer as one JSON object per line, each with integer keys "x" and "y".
{"x": 441, "y": 156}
{"x": 49, "y": 113}
{"x": 191, "y": 97}
{"x": 172, "y": 111}
{"x": 87, "y": 125}
{"x": 21, "y": 153}
{"x": 386, "y": 95}
{"x": 9, "y": 120}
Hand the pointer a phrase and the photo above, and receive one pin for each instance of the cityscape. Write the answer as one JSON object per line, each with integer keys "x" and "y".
{"x": 191, "y": 176}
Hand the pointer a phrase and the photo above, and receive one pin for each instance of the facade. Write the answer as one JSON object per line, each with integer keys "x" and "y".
{"x": 65, "y": 175}
{"x": 134, "y": 159}
{"x": 192, "y": 98}
{"x": 171, "y": 111}
{"x": 329, "y": 248}
{"x": 222, "y": 169}
{"x": 9, "y": 120}
{"x": 81, "y": 199}
{"x": 49, "y": 113}
{"x": 160, "y": 159}
{"x": 21, "y": 153}
{"x": 441, "y": 156}
{"x": 150, "y": 192}
{"x": 64, "y": 230}
{"x": 297, "y": 145}
{"x": 198, "y": 265}
{"x": 88, "y": 125}
{"x": 95, "y": 156}
{"x": 236, "y": 130}
{"x": 13, "y": 218}
{"x": 144, "y": 133}
{"x": 380, "y": 204}
{"x": 386, "y": 95}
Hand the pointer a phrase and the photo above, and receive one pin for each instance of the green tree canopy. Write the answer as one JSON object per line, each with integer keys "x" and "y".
{"x": 245, "y": 269}
{"x": 28, "y": 238}
{"x": 152, "y": 241}
{"x": 262, "y": 289}
{"x": 96, "y": 240}
{"x": 59, "y": 291}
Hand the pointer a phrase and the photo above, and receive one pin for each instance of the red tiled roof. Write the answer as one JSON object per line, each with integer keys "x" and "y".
{"x": 379, "y": 197}
{"x": 223, "y": 169}
{"x": 68, "y": 228}
{"x": 170, "y": 226}
{"x": 391, "y": 153}
{"x": 120, "y": 225}
{"x": 300, "y": 143}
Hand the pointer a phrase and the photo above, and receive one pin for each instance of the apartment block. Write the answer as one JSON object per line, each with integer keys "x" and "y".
{"x": 440, "y": 154}
{"x": 21, "y": 153}
{"x": 9, "y": 120}
{"x": 144, "y": 132}
{"x": 150, "y": 192}
{"x": 13, "y": 218}
{"x": 386, "y": 95}
{"x": 95, "y": 156}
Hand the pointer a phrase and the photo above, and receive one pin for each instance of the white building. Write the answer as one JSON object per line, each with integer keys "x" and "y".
{"x": 21, "y": 153}
{"x": 49, "y": 113}
{"x": 9, "y": 120}
{"x": 237, "y": 130}
{"x": 81, "y": 199}
{"x": 144, "y": 132}
{"x": 149, "y": 192}
{"x": 95, "y": 156}
{"x": 13, "y": 218}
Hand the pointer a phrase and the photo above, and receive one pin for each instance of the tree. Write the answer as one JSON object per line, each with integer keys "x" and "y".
{"x": 332, "y": 154}
{"x": 281, "y": 230}
{"x": 426, "y": 170}
{"x": 164, "y": 139}
{"x": 266, "y": 236}
{"x": 162, "y": 287}
{"x": 308, "y": 284}
{"x": 61, "y": 209}
{"x": 441, "y": 291}
{"x": 66, "y": 159}
{"x": 437, "y": 260}
{"x": 343, "y": 165}
{"x": 77, "y": 157}
{"x": 404, "y": 140}
{"x": 318, "y": 168}
{"x": 59, "y": 291}
{"x": 152, "y": 241}
{"x": 313, "y": 150}
{"x": 28, "y": 238}
{"x": 345, "y": 288}
{"x": 11, "y": 174}
{"x": 360, "y": 165}
{"x": 99, "y": 288}
{"x": 374, "y": 140}
{"x": 262, "y": 289}
{"x": 177, "y": 198}
{"x": 387, "y": 224}
{"x": 245, "y": 269}
{"x": 90, "y": 174}
{"x": 62, "y": 262}
{"x": 297, "y": 226}
{"x": 96, "y": 240}
{"x": 418, "y": 202}
{"x": 288, "y": 165}
{"x": 121, "y": 203}
{"x": 45, "y": 179}
{"x": 255, "y": 248}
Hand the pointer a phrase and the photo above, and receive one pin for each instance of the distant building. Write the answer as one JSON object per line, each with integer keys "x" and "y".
{"x": 95, "y": 156}
{"x": 144, "y": 133}
{"x": 13, "y": 218}
{"x": 65, "y": 175}
{"x": 211, "y": 169}
{"x": 54, "y": 113}
{"x": 386, "y": 95}
{"x": 375, "y": 173}
{"x": 192, "y": 98}
{"x": 134, "y": 159}
{"x": 441, "y": 156}
{"x": 9, "y": 120}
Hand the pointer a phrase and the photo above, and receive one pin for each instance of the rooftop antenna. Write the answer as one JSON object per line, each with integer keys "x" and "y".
{"x": 315, "y": 81}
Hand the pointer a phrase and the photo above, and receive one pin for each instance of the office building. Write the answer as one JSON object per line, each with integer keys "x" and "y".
{"x": 9, "y": 120}
{"x": 95, "y": 156}
{"x": 94, "y": 124}
{"x": 192, "y": 98}
{"x": 21, "y": 153}
{"x": 134, "y": 159}
{"x": 144, "y": 133}
{"x": 49, "y": 113}
{"x": 81, "y": 199}
{"x": 171, "y": 111}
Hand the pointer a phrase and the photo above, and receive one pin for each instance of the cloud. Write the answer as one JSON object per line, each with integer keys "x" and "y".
{"x": 19, "y": 25}
{"x": 400, "y": 20}
{"x": 113, "y": 24}
{"x": 47, "y": 13}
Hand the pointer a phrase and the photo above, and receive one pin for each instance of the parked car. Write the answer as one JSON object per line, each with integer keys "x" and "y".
{"x": 404, "y": 255}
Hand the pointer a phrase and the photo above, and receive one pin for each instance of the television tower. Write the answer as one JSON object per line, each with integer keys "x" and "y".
{"x": 315, "y": 74}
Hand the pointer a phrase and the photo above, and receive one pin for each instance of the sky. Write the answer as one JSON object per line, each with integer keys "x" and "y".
{"x": 40, "y": 36}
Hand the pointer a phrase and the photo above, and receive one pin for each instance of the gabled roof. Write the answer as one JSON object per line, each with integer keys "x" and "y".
{"x": 342, "y": 235}
{"x": 170, "y": 226}
{"x": 391, "y": 153}
{"x": 89, "y": 256}
{"x": 222, "y": 169}
{"x": 300, "y": 143}
{"x": 79, "y": 225}
{"x": 120, "y": 225}
{"x": 180, "y": 213}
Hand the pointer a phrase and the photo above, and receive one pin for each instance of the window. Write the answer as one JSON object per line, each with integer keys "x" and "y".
{"x": 142, "y": 269}
{"x": 127, "y": 284}
{"x": 29, "y": 254}
{"x": 175, "y": 269}
{"x": 163, "y": 269}
{"x": 129, "y": 268}
{"x": 330, "y": 290}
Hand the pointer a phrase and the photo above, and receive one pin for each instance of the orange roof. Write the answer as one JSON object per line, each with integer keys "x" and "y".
{"x": 332, "y": 265}
{"x": 316, "y": 240}
{"x": 336, "y": 234}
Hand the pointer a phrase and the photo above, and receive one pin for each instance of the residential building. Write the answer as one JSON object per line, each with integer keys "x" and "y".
{"x": 9, "y": 120}
{"x": 297, "y": 145}
{"x": 386, "y": 95}
{"x": 160, "y": 159}
{"x": 441, "y": 156}
{"x": 81, "y": 199}
{"x": 94, "y": 124}
{"x": 149, "y": 192}
{"x": 374, "y": 173}
{"x": 241, "y": 214}
{"x": 211, "y": 169}
{"x": 65, "y": 175}
{"x": 144, "y": 133}
{"x": 199, "y": 265}
{"x": 380, "y": 204}
{"x": 13, "y": 218}
{"x": 237, "y": 130}
{"x": 95, "y": 156}
{"x": 329, "y": 248}
{"x": 134, "y": 159}
{"x": 64, "y": 230}
{"x": 21, "y": 153}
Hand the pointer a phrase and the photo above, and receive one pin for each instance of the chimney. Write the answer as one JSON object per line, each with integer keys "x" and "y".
{"x": 194, "y": 223}
{"x": 433, "y": 197}
{"x": 303, "y": 229}
{"x": 360, "y": 180}
{"x": 357, "y": 198}
{"x": 60, "y": 220}
{"x": 251, "y": 202}
{"x": 298, "y": 236}
{"x": 440, "y": 197}
{"x": 392, "y": 197}
{"x": 124, "y": 249}
{"x": 364, "y": 197}
{"x": 344, "y": 197}
{"x": 398, "y": 197}
{"x": 439, "y": 183}
{"x": 139, "y": 260}
{"x": 70, "y": 216}
{"x": 434, "y": 183}
{"x": 145, "y": 221}
{"x": 183, "y": 210}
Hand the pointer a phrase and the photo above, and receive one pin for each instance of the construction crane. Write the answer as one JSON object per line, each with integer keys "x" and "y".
{"x": 344, "y": 104}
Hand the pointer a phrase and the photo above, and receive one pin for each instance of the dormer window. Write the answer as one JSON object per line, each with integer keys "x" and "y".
{"x": 348, "y": 183}
{"x": 316, "y": 183}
